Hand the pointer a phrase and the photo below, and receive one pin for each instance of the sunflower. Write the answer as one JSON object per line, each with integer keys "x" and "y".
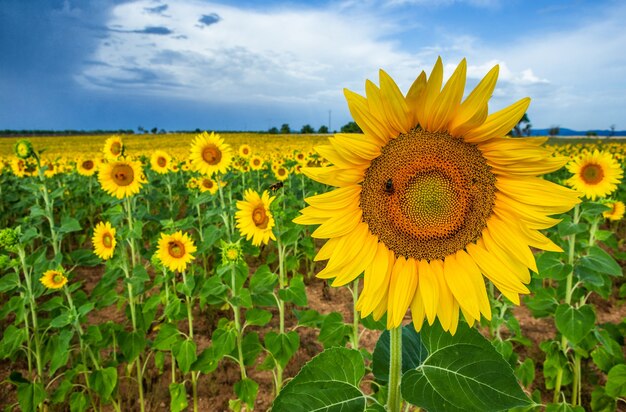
{"x": 24, "y": 149}
{"x": 245, "y": 151}
{"x": 254, "y": 218}
{"x": 206, "y": 184}
{"x": 616, "y": 212}
{"x": 104, "y": 240}
{"x": 121, "y": 178}
{"x": 281, "y": 173}
{"x": 53, "y": 279}
{"x": 86, "y": 167}
{"x": 256, "y": 162}
{"x": 160, "y": 162}
{"x": 596, "y": 174}
{"x": 175, "y": 251}
{"x": 113, "y": 148}
{"x": 209, "y": 154}
{"x": 431, "y": 198}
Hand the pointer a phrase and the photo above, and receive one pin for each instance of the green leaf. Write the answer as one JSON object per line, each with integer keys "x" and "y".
{"x": 463, "y": 372}
{"x": 600, "y": 261}
{"x": 30, "y": 395}
{"x": 185, "y": 354}
{"x": 258, "y": 317}
{"x": 282, "y": 346}
{"x": 131, "y": 344}
{"x": 328, "y": 382}
{"x": 167, "y": 338}
{"x": 616, "y": 382}
{"x": 574, "y": 323}
{"x": 563, "y": 407}
{"x": 413, "y": 353}
{"x": 138, "y": 279}
{"x": 223, "y": 340}
{"x": 178, "y": 397}
{"x": 247, "y": 390}
{"x": 9, "y": 282}
{"x": 263, "y": 281}
{"x": 78, "y": 402}
{"x": 69, "y": 224}
{"x": 295, "y": 293}
{"x": 333, "y": 331}
{"x": 103, "y": 381}
{"x": 551, "y": 266}
{"x": 11, "y": 341}
{"x": 207, "y": 361}
{"x": 525, "y": 372}
{"x": 84, "y": 257}
{"x": 251, "y": 347}
{"x": 57, "y": 350}
{"x": 309, "y": 317}
{"x": 566, "y": 227}
{"x": 63, "y": 319}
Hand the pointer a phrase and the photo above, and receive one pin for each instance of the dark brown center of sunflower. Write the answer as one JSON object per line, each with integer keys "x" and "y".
{"x": 207, "y": 183}
{"x": 256, "y": 162}
{"x": 57, "y": 278}
{"x": 211, "y": 154}
{"x": 427, "y": 195}
{"x": 161, "y": 161}
{"x": 281, "y": 171}
{"x": 245, "y": 151}
{"x": 88, "y": 164}
{"x": 123, "y": 174}
{"x": 176, "y": 249}
{"x": 116, "y": 148}
{"x": 259, "y": 217}
{"x": 592, "y": 173}
{"x": 107, "y": 240}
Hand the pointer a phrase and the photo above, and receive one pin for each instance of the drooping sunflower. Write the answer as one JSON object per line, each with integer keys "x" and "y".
{"x": 121, "y": 178}
{"x": 596, "y": 174}
{"x": 175, "y": 251}
{"x": 616, "y": 212}
{"x": 86, "y": 167}
{"x": 209, "y": 154}
{"x": 431, "y": 198}
{"x": 53, "y": 279}
{"x": 113, "y": 148}
{"x": 160, "y": 162}
{"x": 245, "y": 151}
{"x": 254, "y": 218}
{"x": 104, "y": 240}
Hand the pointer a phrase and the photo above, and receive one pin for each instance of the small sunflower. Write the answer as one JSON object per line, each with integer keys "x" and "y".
{"x": 86, "y": 167}
{"x": 160, "y": 161}
{"x": 245, "y": 151}
{"x": 616, "y": 212}
{"x": 281, "y": 173}
{"x": 431, "y": 198}
{"x": 596, "y": 174}
{"x": 206, "y": 184}
{"x": 175, "y": 251}
{"x": 231, "y": 252}
{"x": 113, "y": 148}
{"x": 254, "y": 218}
{"x": 121, "y": 178}
{"x": 256, "y": 162}
{"x": 53, "y": 279}
{"x": 209, "y": 154}
{"x": 24, "y": 149}
{"x": 104, "y": 240}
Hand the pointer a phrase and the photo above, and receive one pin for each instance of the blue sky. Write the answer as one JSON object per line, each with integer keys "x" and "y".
{"x": 251, "y": 65}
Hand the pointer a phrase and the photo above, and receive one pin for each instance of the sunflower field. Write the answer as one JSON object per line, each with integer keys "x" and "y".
{"x": 431, "y": 263}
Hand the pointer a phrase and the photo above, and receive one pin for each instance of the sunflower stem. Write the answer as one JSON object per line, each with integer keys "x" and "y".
{"x": 355, "y": 315}
{"x": 394, "y": 398}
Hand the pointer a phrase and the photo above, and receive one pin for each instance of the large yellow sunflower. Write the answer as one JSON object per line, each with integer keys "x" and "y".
{"x": 104, "y": 240}
{"x": 175, "y": 251}
{"x": 431, "y": 198}
{"x": 160, "y": 161}
{"x": 596, "y": 174}
{"x": 254, "y": 218}
{"x": 121, "y": 178}
{"x": 113, "y": 148}
{"x": 209, "y": 154}
{"x": 53, "y": 279}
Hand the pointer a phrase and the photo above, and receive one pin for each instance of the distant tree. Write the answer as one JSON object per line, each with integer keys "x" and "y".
{"x": 554, "y": 130}
{"x": 323, "y": 129}
{"x": 591, "y": 133}
{"x": 273, "y": 130}
{"x": 612, "y": 132}
{"x": 522, "y": 128}
{"x": 140, "y": 129}
{"x": 351, "y": 127}
{"x": 285, "y": 129}
{"x": 307, "y": 129}
{"x": 154, "y": 130}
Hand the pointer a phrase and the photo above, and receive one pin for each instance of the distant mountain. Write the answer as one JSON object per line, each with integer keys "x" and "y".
{"x": 569, "y": 132}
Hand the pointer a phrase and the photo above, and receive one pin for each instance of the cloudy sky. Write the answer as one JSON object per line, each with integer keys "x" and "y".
{"x": 251, "y": 65}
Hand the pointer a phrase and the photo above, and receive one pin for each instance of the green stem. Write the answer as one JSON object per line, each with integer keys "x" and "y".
{"x": 32, "y": 304}
{"x": 394, "y": 399}
{"x": 355, "y": 315}
{"x": 576, "y": 381}
{"x": 169, "y": 195}
{"x": 593, "y": 230}
{"x": 189, "y": 303}
{"x": 238, "y": 328}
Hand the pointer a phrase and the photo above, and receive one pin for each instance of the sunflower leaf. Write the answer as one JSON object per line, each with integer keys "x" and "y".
{"x": 463, "y": 372}
{"x": 413, "y": 353}
{"x": 574, "y": 323}
{"x": 329, "y": 382}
